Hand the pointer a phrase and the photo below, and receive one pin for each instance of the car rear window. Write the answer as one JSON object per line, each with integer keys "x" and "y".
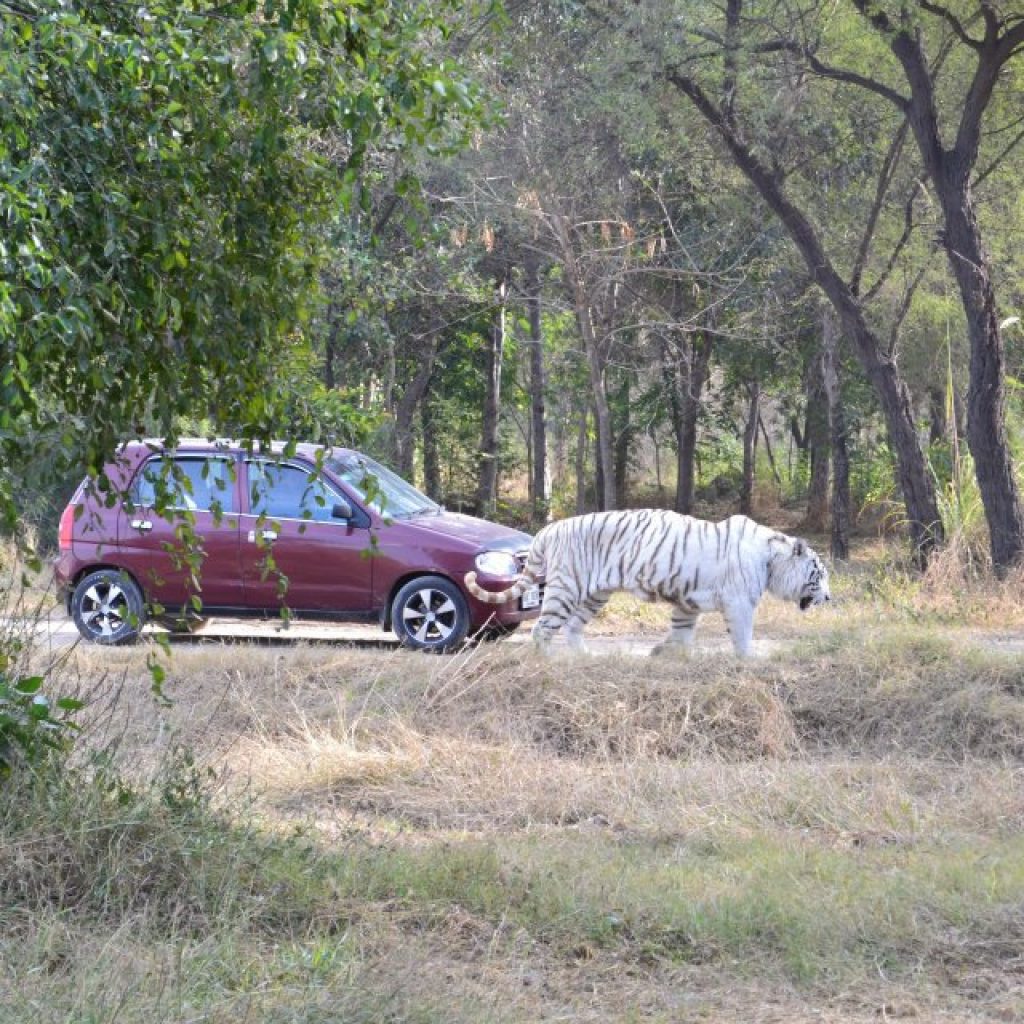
{"x": 195, "y": 483}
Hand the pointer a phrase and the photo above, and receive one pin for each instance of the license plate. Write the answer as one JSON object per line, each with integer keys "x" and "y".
{"x": 530, "y": 598}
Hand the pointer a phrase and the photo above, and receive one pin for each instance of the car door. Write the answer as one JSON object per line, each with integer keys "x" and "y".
{"x": 198, "y": 492}
{"x": 297, "y": 551}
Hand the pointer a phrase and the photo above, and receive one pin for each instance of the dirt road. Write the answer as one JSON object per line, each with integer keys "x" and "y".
{"x": 58, "y": 631}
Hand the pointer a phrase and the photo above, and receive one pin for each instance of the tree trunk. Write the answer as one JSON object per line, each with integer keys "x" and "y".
{"x": 841, "y": 505}
{"x": 595, "y": 362}
{"x": 768, "y": 451}
{"x": 912, "y": 468}
{"x": 623, "y": 442}
{"x": 657, "y": 466}
{"x": 750, "y": 448}
{"x": 818, "y": 445}
{"x": 330, "y": 346}
{"x": 951, "y": 169}
{"x": 986, "y": 394}
{"x": 540, "y": 486}
{"x": 487, "y": 490}
{"x": 599, "y": 476}
{"x": 404, "y": 445}
{"x": 581, "y": 462}
{"x": 431, "y": 454}
{"x": 687, "y": 370}
{"x": 700, "y": 365}
{"x": 937, "y": 419}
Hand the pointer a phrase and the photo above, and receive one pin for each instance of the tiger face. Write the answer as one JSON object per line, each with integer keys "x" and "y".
{"x": 814, "y": 589}
{"x": 797, "y": 574}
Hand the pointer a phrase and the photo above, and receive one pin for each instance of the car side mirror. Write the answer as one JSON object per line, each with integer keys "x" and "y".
{"x": 341, "y": 510}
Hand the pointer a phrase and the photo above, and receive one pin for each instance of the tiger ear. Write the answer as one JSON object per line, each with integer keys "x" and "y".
{"x": 799, "y": 547}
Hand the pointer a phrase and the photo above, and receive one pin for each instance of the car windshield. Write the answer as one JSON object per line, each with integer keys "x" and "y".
{"x": 380, "y": 488}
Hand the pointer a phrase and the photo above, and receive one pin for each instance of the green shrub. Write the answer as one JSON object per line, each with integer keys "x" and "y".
{"x": 32, "y": 726}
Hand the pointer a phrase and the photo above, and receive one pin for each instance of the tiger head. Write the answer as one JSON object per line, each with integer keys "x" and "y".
{"x": 796, "y": 573}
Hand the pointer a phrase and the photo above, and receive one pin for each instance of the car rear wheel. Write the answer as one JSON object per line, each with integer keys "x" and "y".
{"x": 108, "y": 607}
{"x": 430, "y": 614}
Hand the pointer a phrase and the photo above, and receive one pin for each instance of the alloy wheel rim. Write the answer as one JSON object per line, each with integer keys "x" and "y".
{"x": 430, "y": 616}
{"x": 105, "y": 609}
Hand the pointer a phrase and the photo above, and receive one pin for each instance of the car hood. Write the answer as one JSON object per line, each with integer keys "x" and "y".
{"x": 478, "y": 533}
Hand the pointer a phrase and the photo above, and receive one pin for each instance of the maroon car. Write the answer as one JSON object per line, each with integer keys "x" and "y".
{"x": 316, "y": 532}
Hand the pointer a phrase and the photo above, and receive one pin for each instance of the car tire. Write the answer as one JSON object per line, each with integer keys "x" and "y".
{"x": 108, "y": 607}
{"x": 429, "y": 613}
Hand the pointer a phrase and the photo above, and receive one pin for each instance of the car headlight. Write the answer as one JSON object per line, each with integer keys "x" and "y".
{"x": 497, "y": 563}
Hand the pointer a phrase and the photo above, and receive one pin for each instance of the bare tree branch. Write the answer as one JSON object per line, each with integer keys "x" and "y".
{"x": 997, "y": 50}
{"x": 908, "y": 230}
{"x": 884, "y": 181}
{"x": 954, "y": 22}
{"x": 1011, "y": 42}
{"x": 853, "y": 78}
{"x": 999, "y": 159}
{"x": 904, "y": 309}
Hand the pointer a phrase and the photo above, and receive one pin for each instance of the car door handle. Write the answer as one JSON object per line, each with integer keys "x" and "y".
{"x": 264, "y": 535}
{"x": 142, "y": 524}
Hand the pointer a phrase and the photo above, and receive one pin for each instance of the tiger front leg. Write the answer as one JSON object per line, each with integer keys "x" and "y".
{"x": 682, "y": 633}
{"x": 546, "y": 627}
{"x": 577, "y": 621}
{"x": 740, "y": 619}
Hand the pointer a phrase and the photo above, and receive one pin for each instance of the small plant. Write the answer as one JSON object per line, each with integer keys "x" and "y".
{"x": 31, "y": 725}
{"x": 963, "y": 514}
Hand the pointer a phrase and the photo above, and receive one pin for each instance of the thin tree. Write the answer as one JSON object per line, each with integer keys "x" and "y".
{"x": 494, "y": 357}
{"x": 950, "y": 164}
{"x": 768, "y": 179}
{"x": 539, "y": 476}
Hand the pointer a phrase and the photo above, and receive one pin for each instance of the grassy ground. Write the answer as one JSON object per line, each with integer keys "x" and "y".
{"x": 831, "y": 832}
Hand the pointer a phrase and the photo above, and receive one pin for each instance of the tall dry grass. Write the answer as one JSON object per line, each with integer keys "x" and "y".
{"x": 312, "y": 833}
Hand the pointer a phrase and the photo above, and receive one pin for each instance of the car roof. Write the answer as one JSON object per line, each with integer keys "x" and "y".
{"x": 135, "y": 450}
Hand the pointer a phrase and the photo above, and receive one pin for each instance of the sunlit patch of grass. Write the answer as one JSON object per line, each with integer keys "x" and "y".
{"x": 782, "y": 903}
{"x": 813, "y": 911}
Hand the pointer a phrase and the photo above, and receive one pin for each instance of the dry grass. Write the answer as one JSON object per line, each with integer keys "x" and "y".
{"x": 832, "y": 832}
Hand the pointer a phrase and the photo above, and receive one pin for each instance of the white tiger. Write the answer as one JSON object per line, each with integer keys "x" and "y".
{"x": 696, "y": 565}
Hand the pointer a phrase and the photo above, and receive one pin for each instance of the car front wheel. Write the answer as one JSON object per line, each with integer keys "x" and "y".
{"x": 430, "y": 614}
{"x": 108, "y": 607}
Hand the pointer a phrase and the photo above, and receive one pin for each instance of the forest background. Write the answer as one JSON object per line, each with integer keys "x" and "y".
{"x": 543, "y": 259}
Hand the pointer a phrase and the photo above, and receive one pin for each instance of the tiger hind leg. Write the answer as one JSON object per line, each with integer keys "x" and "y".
{"x": 577, "y": 622}
{"x": 559, "y": 610}
{"x": 543, "y": 630}
{"x": 554, "y": 612}
{"x": 682, "y": 633}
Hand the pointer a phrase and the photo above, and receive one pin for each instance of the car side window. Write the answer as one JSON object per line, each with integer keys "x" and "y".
{"x": 286, "y": 492}
{"x": 196, "y": 484}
